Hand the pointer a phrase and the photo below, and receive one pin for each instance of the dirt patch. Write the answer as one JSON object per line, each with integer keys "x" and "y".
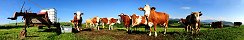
{"x": 123, "y": 35}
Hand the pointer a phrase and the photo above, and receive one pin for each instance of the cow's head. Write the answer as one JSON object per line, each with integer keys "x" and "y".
{"x": 114, "y": 20}
{"x": 78, "y": 15}
{"x": 117, "y": 21}
{"x": 181, "y": 20}
{"x": 197, "y": 15}
{"x": 96, "y": 19}
{"x": 124, "y": 16}
{"x": 135, "y": 20}
{"x": 146, "y": 10}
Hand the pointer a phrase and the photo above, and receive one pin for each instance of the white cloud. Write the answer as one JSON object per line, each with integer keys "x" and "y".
{"x": 185, "y": 7}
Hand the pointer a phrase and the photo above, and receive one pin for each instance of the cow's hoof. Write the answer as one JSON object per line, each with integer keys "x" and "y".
{"x": 155, "y": 34}
{"x": 150, "y": 34}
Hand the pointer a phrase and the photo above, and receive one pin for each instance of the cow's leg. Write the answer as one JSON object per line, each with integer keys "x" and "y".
{"x": 96, "y": 26}
{"x": 197, "y": 29}
{"x": 90, "y": 25}
{"x": 78, "y": 27}
{"x": 155, "y": 30}
{"x": 150, "y": 31}
{"x": 186, "y": 28}
{"x": 103, "y": 25}
{"x": 150, "y": 24}
{"x": 112, "y": 27}
{"x": 192, "y": 28}
{"x": 109, "y": 27}
{"x": 127, "y": 28}
{"x": 86, "y": 24}
{"x": 146, "y": 28}
{"x": 165, "y": 28}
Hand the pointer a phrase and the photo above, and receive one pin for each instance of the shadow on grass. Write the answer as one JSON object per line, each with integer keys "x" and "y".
{"x": 121, "y": 30}
{"x": 87, "y": 29}
{"x": 31, "y": 36}
{"x": 48, "y": 30}
{"x": 9, "y": 27}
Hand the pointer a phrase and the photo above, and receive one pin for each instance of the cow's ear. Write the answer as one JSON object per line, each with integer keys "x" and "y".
{"x": 200, "y": 14}
{"x": 119, "y": 15}
{"x": 192, "y": 13}
{"x": 82, "y": 13}
{"x": 153, "y": 8}
{"x": 140, "y": 8}
{"x": 74, "y": 13}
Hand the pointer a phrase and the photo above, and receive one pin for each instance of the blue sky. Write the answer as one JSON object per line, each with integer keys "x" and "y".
{"x": 228, "y": 10}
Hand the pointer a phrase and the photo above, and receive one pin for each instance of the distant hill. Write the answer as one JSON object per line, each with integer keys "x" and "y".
{"x": 173, "y": 20}
{"x": 208, "y": 21}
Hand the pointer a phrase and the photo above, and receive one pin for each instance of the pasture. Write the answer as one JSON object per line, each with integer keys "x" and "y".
{"x": 228, "y": 33}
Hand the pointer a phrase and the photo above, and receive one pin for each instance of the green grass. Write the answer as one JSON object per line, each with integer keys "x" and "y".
{"x": 205, "y": 34}
{"x": 228, "y": 33}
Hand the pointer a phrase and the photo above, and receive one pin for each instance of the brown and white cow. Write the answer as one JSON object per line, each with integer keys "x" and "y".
{"x": 139, "y": 21}
{"x": 238, "y": 24}
{"x": 194, "y": 21}
{"x": 109, "y": 21}
{"x": 155, "y": 18}
{"x": 77, "y": 20}
{"x": 95, "y": 21}
{"x": 218, "y": 24}
{"x": 126, "y": 19}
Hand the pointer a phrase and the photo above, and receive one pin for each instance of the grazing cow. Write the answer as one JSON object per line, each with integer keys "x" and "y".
{"x": 126, "y": 19}
{"x": 109, "y": 21}
{"x": 186, "y": 25}
{"x": 77, "y": 20}
{"x": 139, "y": 21}
{"x": 238, "y": 24}
{"x": 95, "y": 21}
{"x": 88, "y": 23}
{"x": 218, "y": 24}
{"x": 194, "y": 21}
{"x": 155, "y": 18}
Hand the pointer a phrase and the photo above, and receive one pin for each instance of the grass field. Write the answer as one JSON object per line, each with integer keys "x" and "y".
{"x": 33, "y": 33}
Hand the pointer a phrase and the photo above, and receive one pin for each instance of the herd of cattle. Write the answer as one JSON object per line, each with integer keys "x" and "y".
{"x": 150, "y": 18}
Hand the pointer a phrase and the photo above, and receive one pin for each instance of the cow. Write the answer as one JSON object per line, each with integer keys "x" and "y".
{"x": 95, "y": 21}
{"x": 126, "y": 19}
{"x": 194, "y": 21}
{"x": 139, "y": 21}
{"x": 186, "y": 25}
{"x": 89, "y": 23}
{"x": 77, "y": 20}
{"x": 218, "y": 24}
{"x": 238, "y": 24}
{"x": 155, "y": 18}
{"x": 109, "y": 21}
